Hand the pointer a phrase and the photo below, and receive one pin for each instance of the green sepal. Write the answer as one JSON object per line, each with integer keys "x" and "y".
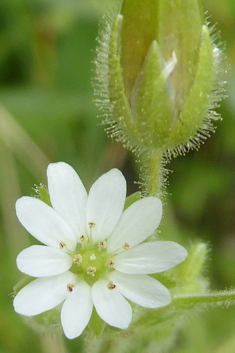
{"x": 168, "y": 281}
{"x": 47, "y": 322}
{"x": 191, "y": 119}
{"x": 121, "y": 109}
{"x": 44, "y": 194}
{"x": 139, "y": 29}
{"x": 21, "y": 284}
{"x": 96, "y": 324}
{"x": 132, "y": 199}
{"x": 200, "y": 285}
{"x": 151, "y": 104}
{"x": 180, "y": 30}
{"x": 191, "y": 268}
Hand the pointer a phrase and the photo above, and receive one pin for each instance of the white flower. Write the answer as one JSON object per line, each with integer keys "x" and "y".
{"x": 93, "y": 253}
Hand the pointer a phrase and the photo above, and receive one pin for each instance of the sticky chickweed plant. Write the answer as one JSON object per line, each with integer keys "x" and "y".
{"x": 101, "y": 270}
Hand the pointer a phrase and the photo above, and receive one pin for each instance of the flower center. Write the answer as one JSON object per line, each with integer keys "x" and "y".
{"x": 91, "y": 262}
{"x": 92, "y": 259}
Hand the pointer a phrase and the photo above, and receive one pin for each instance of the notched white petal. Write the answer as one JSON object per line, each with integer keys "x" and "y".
{"x": 141, "y": 289}
{"x": 43, "y": 294}
{"x": 152, "y": 257}
{"x": 43, "y": 261}
{"x": 76, "y": 310}
{"x": 68, "y": 195}
{"x": 110, "y": 305}
{"x": 136, "y": 224}
{"x": 44, "y": 223}
{"x": 105, "y": 203}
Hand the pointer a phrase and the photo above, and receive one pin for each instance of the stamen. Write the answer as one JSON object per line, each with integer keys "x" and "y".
{"x": 70, "y": 287}
{"x": 77, "y": 259}
{"x": 126, "y": 246}
{"x": 110, "y": 264}
{"x": 91, "y": 225}
{"x": 92, "y": 257}
{"x": 111, "y": 285}
{"x": 91, "y": 271}
{"x": 83, "y": 238}
{"x": 63, "y": 245}
{"x": 102, "y": 245}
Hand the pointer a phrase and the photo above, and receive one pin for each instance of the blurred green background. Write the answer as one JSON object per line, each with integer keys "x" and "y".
{"x": 47, "y": 114}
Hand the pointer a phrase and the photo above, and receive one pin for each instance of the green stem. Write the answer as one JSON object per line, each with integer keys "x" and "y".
{"x": 155, "y": 173}
{"x": 225, "y": 298}
{"x": 181, "y": 305}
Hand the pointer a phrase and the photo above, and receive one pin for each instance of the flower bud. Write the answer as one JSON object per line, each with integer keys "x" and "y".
{"x": 158, "y": 75}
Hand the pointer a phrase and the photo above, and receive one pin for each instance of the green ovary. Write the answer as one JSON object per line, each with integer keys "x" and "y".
{"x": 90, "y": 259}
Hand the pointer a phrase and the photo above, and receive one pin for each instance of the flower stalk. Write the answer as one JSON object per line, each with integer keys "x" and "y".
{"x": 153, "y": 174}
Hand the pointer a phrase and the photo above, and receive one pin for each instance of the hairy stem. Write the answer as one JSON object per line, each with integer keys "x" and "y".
{"x": 226, "y": 298}
{"x": 153, "y": 174}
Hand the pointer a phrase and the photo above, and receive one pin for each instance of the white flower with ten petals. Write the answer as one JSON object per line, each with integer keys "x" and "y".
{"x": 94, "y": 252}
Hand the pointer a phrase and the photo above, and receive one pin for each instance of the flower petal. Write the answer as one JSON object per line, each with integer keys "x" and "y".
{"x": 76, "y": 310}
{"x": 68, "y": 195}
{"x": 141, "y": 289}
{"x": 111, "y": 306}
{"x": 136, "y": 224}
{"x": 44, "y": 223}
{"x": 105, "y": 203}
{"x": 152, "y": 257}
{"x": 43, "y": 261}
{"x": 42, "y": 294}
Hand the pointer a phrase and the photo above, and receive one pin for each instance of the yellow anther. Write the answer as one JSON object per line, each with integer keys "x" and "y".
{"x": 102, "y": 245}
{"x": 83, "y": 238}
{"x": 126, "y": 246}
{"x": 70, "y": 287}
{"x": 91, "y": 271}
{"x": 63, "y": 245}
{"x": 91, "y": 225}
{"x": 110, "y": 263}
{"x": 77, "y": 259}
{"x": 111, "y": 285}
{"x": 92, "y": 257}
